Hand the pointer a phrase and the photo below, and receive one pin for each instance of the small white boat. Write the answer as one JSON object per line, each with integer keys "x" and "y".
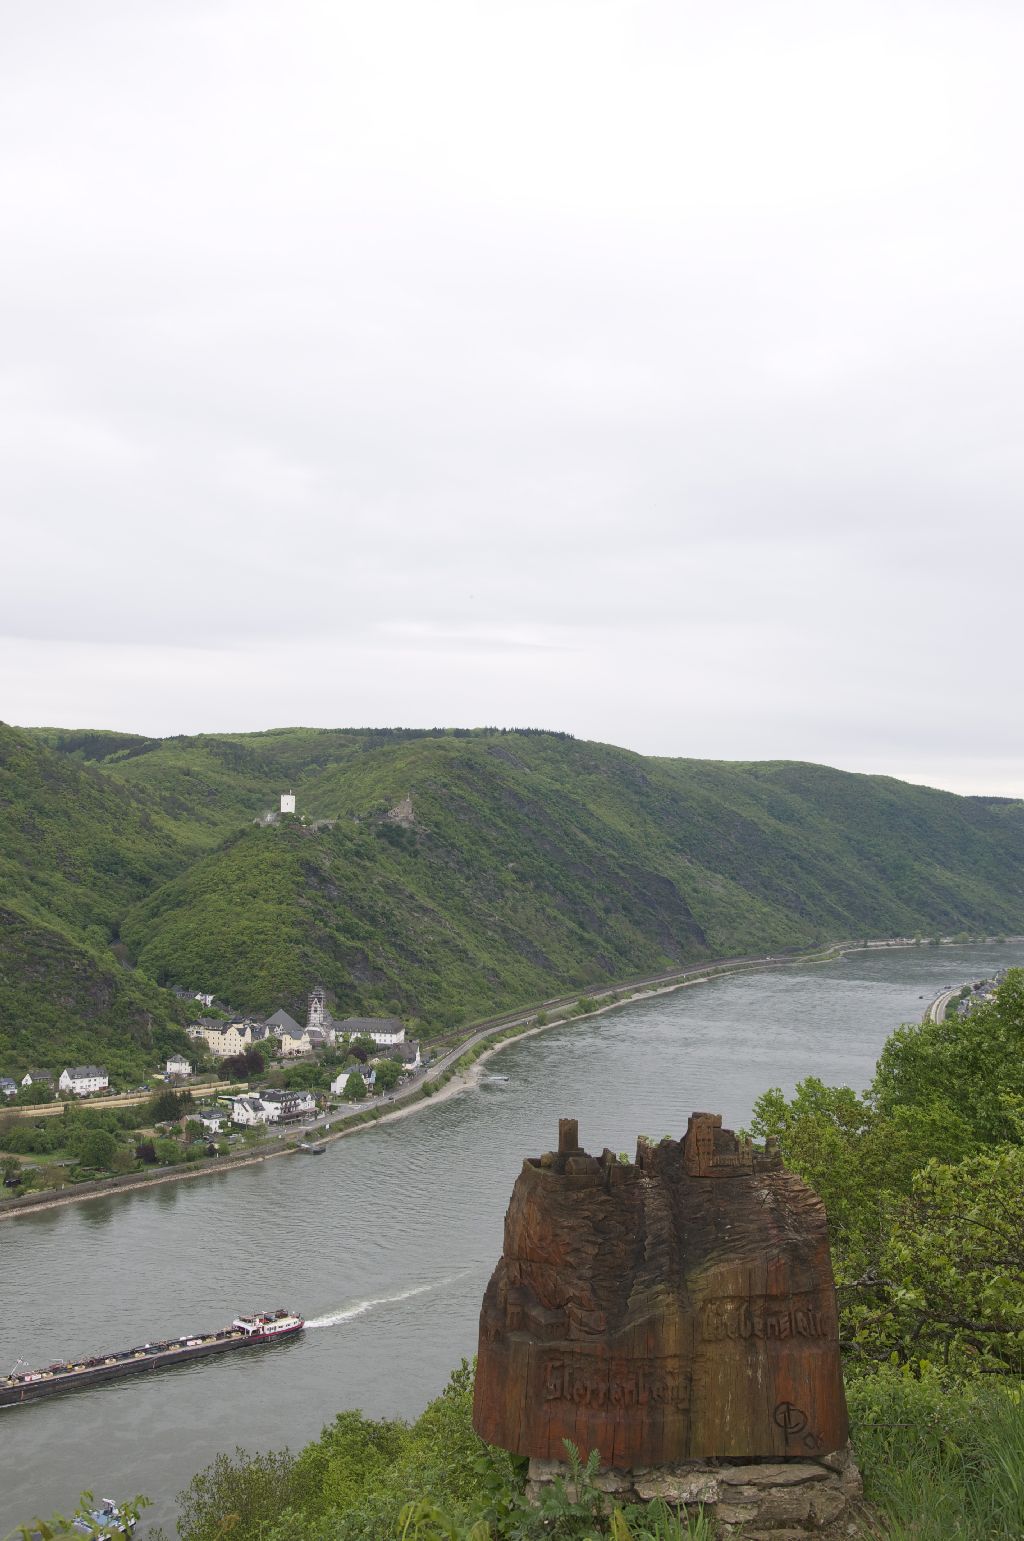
{"x": 104, "y": 1522}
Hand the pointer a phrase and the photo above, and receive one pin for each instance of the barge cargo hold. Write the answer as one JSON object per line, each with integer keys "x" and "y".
{"x": 244, "y": 1332}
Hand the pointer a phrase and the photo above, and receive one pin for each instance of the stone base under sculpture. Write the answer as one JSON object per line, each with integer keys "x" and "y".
{"x": 771, "y": 1500}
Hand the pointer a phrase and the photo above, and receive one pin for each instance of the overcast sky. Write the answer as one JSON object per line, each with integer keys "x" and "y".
{"x": 646, "y": 370}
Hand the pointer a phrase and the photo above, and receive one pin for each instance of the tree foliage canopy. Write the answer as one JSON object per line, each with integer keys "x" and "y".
{"x": 923, "y": 1180}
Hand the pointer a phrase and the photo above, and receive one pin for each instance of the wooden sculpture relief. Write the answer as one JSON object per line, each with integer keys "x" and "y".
{"x": 679, "y": 1306}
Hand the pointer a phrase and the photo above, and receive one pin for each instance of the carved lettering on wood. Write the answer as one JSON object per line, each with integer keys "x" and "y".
{"x": 677, "y": 1306}
{"x": 610, "y": 1383}
{"x": 748, "y": 1319}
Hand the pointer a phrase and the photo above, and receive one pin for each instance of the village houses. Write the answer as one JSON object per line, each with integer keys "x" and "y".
{"x": 249, "y": 1111}
{"x": 286, "y": 1107}
{"x": 228, "y": 1038}
{"x": 322, "y": 1031}
{"x": 83, "y": 1080}
{"x": 365, "y": 1072}
{"x": 272, "y": 1107}
{"x": 193, "y": 995}
{"x": 223, "y": 1038}
{"x": 293, "y": 1038}
{"x": 385, "y": 1031}
{"x": 177, "y": 1064}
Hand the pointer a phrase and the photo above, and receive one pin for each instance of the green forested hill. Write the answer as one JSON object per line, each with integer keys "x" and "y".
{"x": 76, "y": 851}
{"x": 446, "y": 874}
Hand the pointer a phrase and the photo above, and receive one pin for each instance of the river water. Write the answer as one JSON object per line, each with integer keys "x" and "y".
{"x": 385, "y": 1243}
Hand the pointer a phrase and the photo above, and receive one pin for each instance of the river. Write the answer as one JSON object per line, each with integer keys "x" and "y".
{"x": 385, "y": 1242}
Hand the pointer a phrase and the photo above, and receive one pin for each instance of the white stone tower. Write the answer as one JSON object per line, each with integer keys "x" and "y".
{"x": 287, "y": 802}
{"x": 317, "y": 1014}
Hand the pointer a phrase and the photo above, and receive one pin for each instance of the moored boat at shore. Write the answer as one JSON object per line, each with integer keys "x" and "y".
{"x": 67, "y": 1375}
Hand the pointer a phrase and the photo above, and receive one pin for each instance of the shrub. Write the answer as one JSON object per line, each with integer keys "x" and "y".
{"x": 244, "y": 1494}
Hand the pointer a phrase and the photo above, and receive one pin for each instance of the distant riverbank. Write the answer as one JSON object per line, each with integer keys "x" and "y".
{"x": 449, "y": 1075}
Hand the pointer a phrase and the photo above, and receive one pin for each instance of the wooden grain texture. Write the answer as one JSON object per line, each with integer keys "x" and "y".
{"x": 678, "y": 1306}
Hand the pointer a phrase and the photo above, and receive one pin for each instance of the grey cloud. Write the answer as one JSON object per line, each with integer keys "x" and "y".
{"x": 646, "y": 370}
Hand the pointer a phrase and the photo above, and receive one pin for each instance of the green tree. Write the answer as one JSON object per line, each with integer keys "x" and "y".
{"x": 305, "y": 1077}
{"x": 167, "y": 1107}
{"x": 243, "y": 1495}
{"x": 97, "y": 1149}
{"x": 353, "y": 1482}
{"x": 821, "y": 1132}
{"x": 352, "y": 1455}
{"x": 355, "y": 1088}
{"x": 954, "y": 1263}
{"x": 971, "y": 1064}
{"x": 389, "y": 1072}
{"x": 34, "y": 1095}
{"x": 249, "y": 1065}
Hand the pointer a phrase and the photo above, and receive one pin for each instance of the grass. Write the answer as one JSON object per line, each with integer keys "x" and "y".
{"x": 943, "y": 1460}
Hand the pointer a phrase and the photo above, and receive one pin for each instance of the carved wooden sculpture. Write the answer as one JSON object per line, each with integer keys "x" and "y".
{"x": 677, "y": 1307}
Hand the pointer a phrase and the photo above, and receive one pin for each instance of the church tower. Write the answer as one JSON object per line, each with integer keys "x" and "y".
{"x": 318, "y": 1015}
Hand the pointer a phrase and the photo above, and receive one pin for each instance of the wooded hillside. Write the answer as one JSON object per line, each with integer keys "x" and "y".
{"x": 441, "y": 875}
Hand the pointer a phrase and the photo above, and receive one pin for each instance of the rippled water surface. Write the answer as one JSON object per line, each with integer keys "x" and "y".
{"x": 385, "y": 1242}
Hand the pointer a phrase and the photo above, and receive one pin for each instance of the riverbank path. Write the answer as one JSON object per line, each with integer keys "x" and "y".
{"x": 937, "y": 1010}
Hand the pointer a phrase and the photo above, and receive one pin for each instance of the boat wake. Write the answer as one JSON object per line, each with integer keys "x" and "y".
{"x": 360, "y": 1307}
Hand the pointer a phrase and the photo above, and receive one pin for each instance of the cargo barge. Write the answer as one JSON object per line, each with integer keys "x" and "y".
{"x": 68, "y": 1375}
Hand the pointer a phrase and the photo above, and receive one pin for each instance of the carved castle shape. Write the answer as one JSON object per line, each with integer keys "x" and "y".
{"x": 663, "y": 1308}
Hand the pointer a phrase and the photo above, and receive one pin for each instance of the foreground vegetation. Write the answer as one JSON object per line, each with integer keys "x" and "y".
{"x": 942, "y": 1457}
{"x": 943, "y": 1460}
{"x": 438, "y": 876}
